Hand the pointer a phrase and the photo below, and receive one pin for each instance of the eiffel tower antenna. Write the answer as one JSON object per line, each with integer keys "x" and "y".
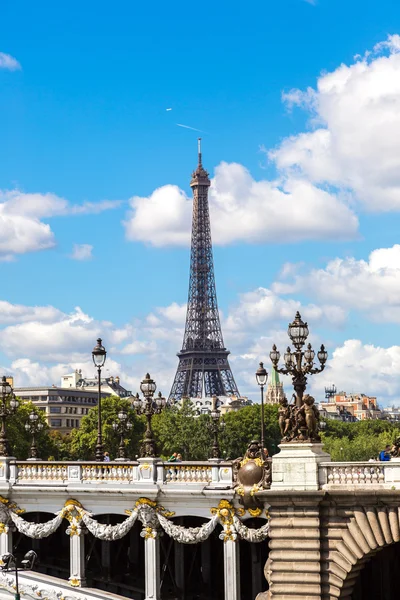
{"x": 203, "y": 368}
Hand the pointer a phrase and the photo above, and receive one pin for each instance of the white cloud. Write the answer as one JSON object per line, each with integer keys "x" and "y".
{"x": 21, "y": 227}
{"x": 371, "y": 286}
{"x": 358, "y": 367}
{"x": 18, "y": 313}
{"x": 357, "y": 143}
{"x": 243, "y": 209}
{"x": 263, "y": 305}
{"x": 43, "y": 343}
{"x": 82, "y": 252}
{"x": 8, "y": 62}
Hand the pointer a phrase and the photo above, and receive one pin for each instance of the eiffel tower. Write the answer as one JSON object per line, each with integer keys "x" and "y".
{"x": 203, "y": 368}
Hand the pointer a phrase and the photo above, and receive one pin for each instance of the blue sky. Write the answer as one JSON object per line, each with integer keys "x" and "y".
{"x": 94, "y": 182}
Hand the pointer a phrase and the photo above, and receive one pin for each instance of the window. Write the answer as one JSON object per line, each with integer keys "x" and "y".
{"x": 55, "y": 422}
{"x": 55, "y": 409}
{"x": 67, "y": 422}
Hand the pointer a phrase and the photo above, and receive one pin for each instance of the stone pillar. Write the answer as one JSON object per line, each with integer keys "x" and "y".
{"x": 152, "y": 563}
{"x": 5, "y": 539}
{"x": 295, "y": 547}
{"x": 231, "y": 569}
{"x": 77, "y": 557}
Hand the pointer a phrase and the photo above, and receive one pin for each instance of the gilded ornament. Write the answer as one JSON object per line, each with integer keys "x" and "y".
{"x": 3, "y": 528}
{"x": 255, "y": 512}
{"x": 74, "y": 582}
{"x": 11, "y": 505}
{"x": 145, "y": 501}
{"x": 72, "y": 502}
{"x": 149, "y": 533}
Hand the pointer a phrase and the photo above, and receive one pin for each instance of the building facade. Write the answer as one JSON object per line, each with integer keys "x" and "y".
{"x": 65, "y": 406}
{"x": 359, "y": 405}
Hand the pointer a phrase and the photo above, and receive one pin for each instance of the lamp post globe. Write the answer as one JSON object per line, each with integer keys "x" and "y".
{"x": 298, "y": 331}
{"x": 99, "y": 355}
{"x": 148, "y": 386}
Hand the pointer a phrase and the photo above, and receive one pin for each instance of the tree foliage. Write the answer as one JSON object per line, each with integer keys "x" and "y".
{"x": 181, "y": 430}
{"x": 82, "y": 441}
{"x": 361, "y": 440}
{"x": 20, "y": 440}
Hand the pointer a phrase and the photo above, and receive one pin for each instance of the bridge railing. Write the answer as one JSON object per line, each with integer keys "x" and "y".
{"x": 151, "y": 471}
{"x": 368, "y": 474}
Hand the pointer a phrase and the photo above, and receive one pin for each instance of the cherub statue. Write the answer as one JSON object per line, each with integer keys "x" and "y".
{"x": 284, "y": 417}
{"x": 311, "y": 417}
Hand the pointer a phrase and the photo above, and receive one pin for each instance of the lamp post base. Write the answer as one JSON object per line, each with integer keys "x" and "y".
{"x": 295, "y": 467}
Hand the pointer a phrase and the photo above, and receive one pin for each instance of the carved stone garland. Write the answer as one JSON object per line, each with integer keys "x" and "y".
{"x": 151, "y": 515}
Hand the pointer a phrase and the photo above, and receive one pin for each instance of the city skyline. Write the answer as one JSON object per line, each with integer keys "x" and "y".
{"x": 99, "y": 122}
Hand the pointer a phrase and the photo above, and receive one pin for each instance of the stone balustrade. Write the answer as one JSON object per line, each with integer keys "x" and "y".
{"x": 144, "y": 471}
{"x": 372, "y": 474}
{"x": 189, "y": 473}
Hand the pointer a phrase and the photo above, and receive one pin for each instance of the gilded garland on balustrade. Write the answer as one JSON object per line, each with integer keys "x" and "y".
{"x": 155, "y": 520}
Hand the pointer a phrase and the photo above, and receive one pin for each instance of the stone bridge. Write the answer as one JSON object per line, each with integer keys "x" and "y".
{"x": 329, "y": 530}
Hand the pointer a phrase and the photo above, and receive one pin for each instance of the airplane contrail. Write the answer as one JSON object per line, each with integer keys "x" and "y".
{"x": 188, "y": 127}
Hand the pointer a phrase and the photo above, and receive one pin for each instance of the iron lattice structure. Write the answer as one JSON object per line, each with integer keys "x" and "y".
{"x": 203, "y": 368}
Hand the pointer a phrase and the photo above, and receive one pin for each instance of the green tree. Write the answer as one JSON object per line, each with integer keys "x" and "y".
{"x": 83, "y": 440}
{"x": 358, "y": 441}
{"x": 180, "y": 430}
{"x": 20, "y": 440}
{"x": 244, "y": 425}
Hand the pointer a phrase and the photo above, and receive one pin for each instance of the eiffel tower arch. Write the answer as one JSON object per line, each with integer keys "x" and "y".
{"x": 203, "y": 368}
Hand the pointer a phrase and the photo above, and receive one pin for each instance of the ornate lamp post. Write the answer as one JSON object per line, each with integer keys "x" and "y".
{"x": 33, "y": 426}
{"x": 148, "y": 407}
{"x": 299, "y": 363}
{"x": 122, "y": 427}
{"x": 8, "y": 407}
{"x": 216, "y": 425}
{"x": 261, "y": 377}
{"x": 99, "y": 358}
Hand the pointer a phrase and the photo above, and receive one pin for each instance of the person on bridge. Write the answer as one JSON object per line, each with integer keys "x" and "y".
{"x": 385, "y": 454}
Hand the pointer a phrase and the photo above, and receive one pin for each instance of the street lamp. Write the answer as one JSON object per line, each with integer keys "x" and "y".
{"x": 148, "y": 407}
{"x": 99, "y": 358}
{"x": 216, "y": 425}
{"x": 10, "y": 563}
{"x": 299, "y": 363}
{"x": 261, "y": 377}
{"x": 33, "y": 426}
{"x": 122, "y": 427}
{"x": 9, "y": 405}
